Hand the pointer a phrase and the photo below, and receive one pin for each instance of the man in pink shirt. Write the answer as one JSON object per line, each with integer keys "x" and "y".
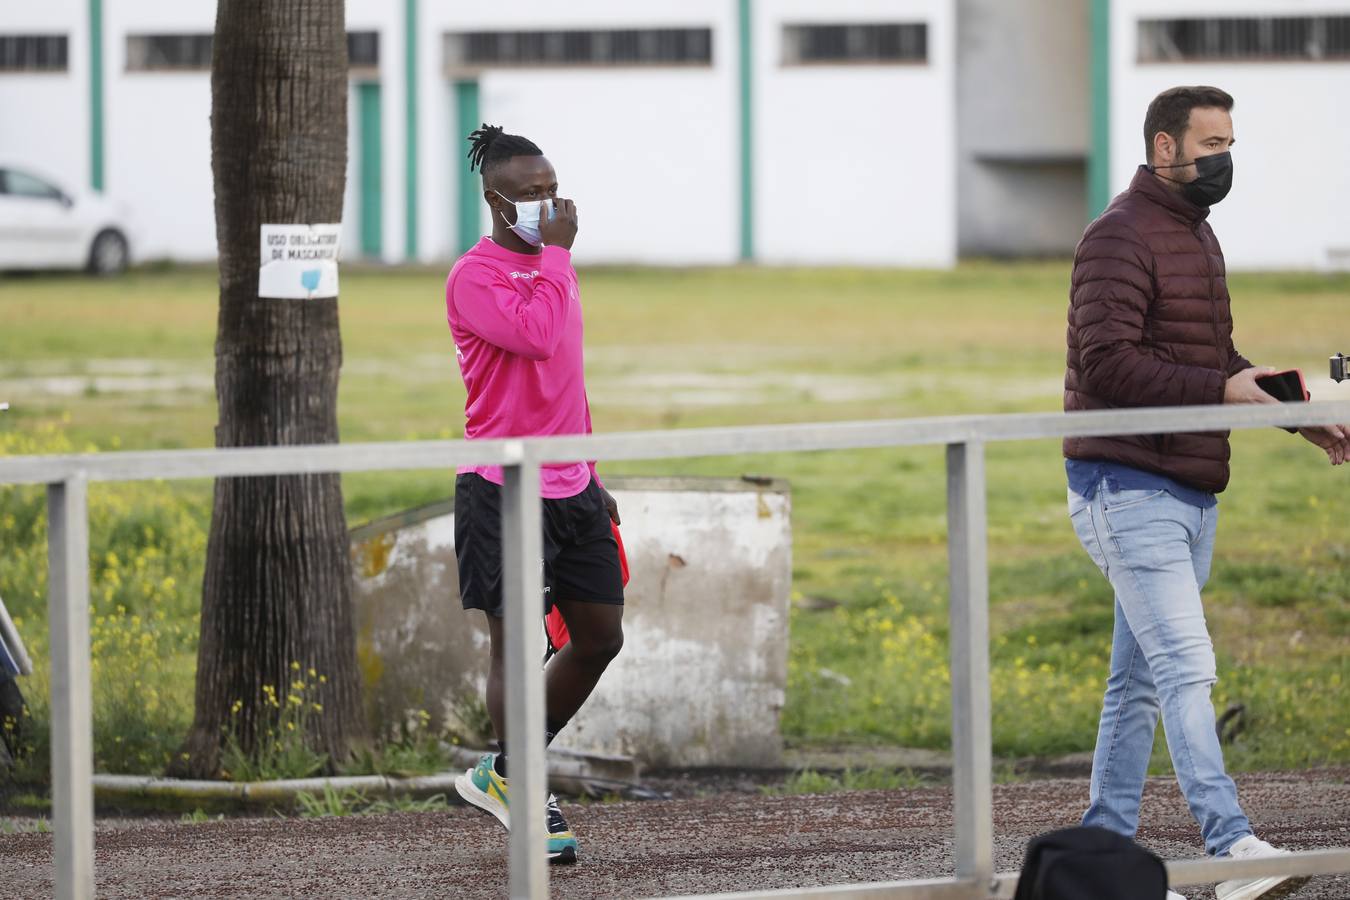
{"x": 515, "y": 314}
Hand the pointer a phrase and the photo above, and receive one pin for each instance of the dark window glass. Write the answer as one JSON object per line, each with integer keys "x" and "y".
{"x": 168, "y": 52}
{"x": 1275, "y": 38}
{"x": 616, "y": 47}
{"x": 34, "y": 53}
{"x": 363, "y": 49}
{"x": 882, "y": 42}
{"x": 192, "y": 52}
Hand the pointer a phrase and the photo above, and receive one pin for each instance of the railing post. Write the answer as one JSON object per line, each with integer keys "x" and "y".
{"x": 522, "y": 592}
{"x": 71, "y": 707}
{"x": 972, "y": 759}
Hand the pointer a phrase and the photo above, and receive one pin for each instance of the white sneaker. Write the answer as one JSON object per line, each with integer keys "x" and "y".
{"x": 1252, "y": 847}
{"x": 1173, "y": 895}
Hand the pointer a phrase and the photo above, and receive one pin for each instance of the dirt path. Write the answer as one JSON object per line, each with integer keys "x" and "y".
{"x": 722, "y": 843}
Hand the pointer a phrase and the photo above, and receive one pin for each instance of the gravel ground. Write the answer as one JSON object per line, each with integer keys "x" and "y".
{"x": 726, "y": 842}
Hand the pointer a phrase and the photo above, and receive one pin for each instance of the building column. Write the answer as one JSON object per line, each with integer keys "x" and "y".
{"x": 745, "y": 25}
{"x": 469, "y": 219}
{"x": 371, "y": 172}
{"x": 96, "y": 180}
{"x": 410, "y": 130}
{"x": 1099, "y": 156}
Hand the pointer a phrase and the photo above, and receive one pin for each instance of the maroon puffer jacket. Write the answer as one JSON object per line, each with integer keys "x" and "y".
{"x": 1150, "y": 325}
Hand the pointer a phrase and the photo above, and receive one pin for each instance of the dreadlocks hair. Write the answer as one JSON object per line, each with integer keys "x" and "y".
{"x": 489, "y": 147}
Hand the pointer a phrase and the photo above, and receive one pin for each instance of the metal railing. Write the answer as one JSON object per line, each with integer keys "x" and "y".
{"x": 965, "y": 437}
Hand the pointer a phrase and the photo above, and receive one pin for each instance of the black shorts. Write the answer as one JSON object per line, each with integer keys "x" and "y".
{"x": 581, "y": 557}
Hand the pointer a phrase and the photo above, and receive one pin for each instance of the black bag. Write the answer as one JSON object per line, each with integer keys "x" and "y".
{"x": 1089, "y": 863}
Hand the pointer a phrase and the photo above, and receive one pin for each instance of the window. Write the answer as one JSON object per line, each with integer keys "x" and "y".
{"x": 875, "y": 43}
{"x": 1279, "y": 38}
{"x": 20, "y": 184}
{"x": 622, "y": 47}
{"x": 363, "y": 49}
{"x": 34, "y": 52}
{"x": 168, "y": 52}
{"x": 192, "y": 52}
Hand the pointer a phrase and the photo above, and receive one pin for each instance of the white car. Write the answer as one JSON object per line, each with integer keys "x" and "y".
{"x": 43, "y": 226}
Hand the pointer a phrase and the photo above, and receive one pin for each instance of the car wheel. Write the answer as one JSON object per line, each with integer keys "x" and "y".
{"x": 109, "y": 255}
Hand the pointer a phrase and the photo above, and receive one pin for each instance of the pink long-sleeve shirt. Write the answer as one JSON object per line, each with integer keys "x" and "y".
{"x": 516, "y": 321}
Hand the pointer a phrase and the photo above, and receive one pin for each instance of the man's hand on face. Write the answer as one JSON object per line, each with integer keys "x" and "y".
{"x": 561, "y": 230}
{"x": 1242, "y": 387}
{"x": 1334, "y": 439}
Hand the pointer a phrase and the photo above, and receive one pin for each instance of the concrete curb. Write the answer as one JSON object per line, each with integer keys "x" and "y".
{"x": 569, "y": 773}
{"x": 177, "y": 792}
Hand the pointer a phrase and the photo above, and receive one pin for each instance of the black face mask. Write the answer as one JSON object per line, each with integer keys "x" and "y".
{"x": 1213, "y": 178}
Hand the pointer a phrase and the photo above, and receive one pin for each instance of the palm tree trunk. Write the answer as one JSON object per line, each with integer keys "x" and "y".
{"x": 277, "y": 588}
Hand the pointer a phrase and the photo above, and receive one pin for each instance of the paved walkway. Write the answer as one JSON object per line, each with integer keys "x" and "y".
{"x": 723, "y": 843}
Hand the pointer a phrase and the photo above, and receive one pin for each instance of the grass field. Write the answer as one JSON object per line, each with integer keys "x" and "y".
{"x": 128, "y": 363}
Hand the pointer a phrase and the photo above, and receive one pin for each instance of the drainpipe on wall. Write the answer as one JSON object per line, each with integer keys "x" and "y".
{"x": 370, "y": 114}
{"x": 96, "y": 94}
{"x": 744, "y": 25}
{"x": 1099, "y": 158}
{"x": 466, "y": 117}
{"x": 410, "y": 130}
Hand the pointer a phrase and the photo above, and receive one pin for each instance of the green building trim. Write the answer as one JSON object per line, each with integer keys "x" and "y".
{"x": 96, "y": 159}
{"x": 370, "y": 112}
{"x": 745, "y": 25}
{"x": 410, "y": 129}
{"x": 1099, "y": 156}
{"x": 469, "y": 217}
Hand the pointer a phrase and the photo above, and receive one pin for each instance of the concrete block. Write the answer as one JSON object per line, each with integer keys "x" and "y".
{"x": 702, "y": 675}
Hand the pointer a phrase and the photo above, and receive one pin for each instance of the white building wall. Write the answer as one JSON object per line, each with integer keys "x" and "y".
{"x": 350, "y": 239}
{"x": 158, "y": 132}
{"x": 650, "y": 154}
{"x": 44, "y": 117}
{"x": 1278, "y": 216}
{"x": 855, "y": 163}
{"x": 157, "y": 125}
{"x": 439, "y": 149}
{"x": 386, "y": 18}
{"x": 834, "y": 145}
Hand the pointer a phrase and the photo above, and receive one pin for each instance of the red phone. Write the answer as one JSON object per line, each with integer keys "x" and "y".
{"x": 1287, "y": 386}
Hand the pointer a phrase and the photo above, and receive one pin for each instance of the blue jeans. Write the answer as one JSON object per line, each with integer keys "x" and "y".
{"x": 1156, "y": 552}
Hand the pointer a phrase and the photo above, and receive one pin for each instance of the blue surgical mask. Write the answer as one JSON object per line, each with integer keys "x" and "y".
{"x": 527, "y": 218}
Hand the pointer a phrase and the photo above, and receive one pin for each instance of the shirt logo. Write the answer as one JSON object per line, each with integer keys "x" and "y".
{"x": 533, "y": 274}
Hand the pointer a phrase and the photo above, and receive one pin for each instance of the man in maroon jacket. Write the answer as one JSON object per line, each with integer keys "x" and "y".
{"x": 1150, "y": 325}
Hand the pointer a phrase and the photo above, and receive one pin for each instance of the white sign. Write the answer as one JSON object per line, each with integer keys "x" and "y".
{"x": 299, "y": 262}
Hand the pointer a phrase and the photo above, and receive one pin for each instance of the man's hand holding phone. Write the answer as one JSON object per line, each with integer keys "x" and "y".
{"x": 1242, "y": 387}
{"x": 1273, "y": 386}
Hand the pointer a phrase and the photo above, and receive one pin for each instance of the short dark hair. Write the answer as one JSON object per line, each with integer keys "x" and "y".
{"x": 1170, "y": 112}
{"x": 490, "y": 146}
